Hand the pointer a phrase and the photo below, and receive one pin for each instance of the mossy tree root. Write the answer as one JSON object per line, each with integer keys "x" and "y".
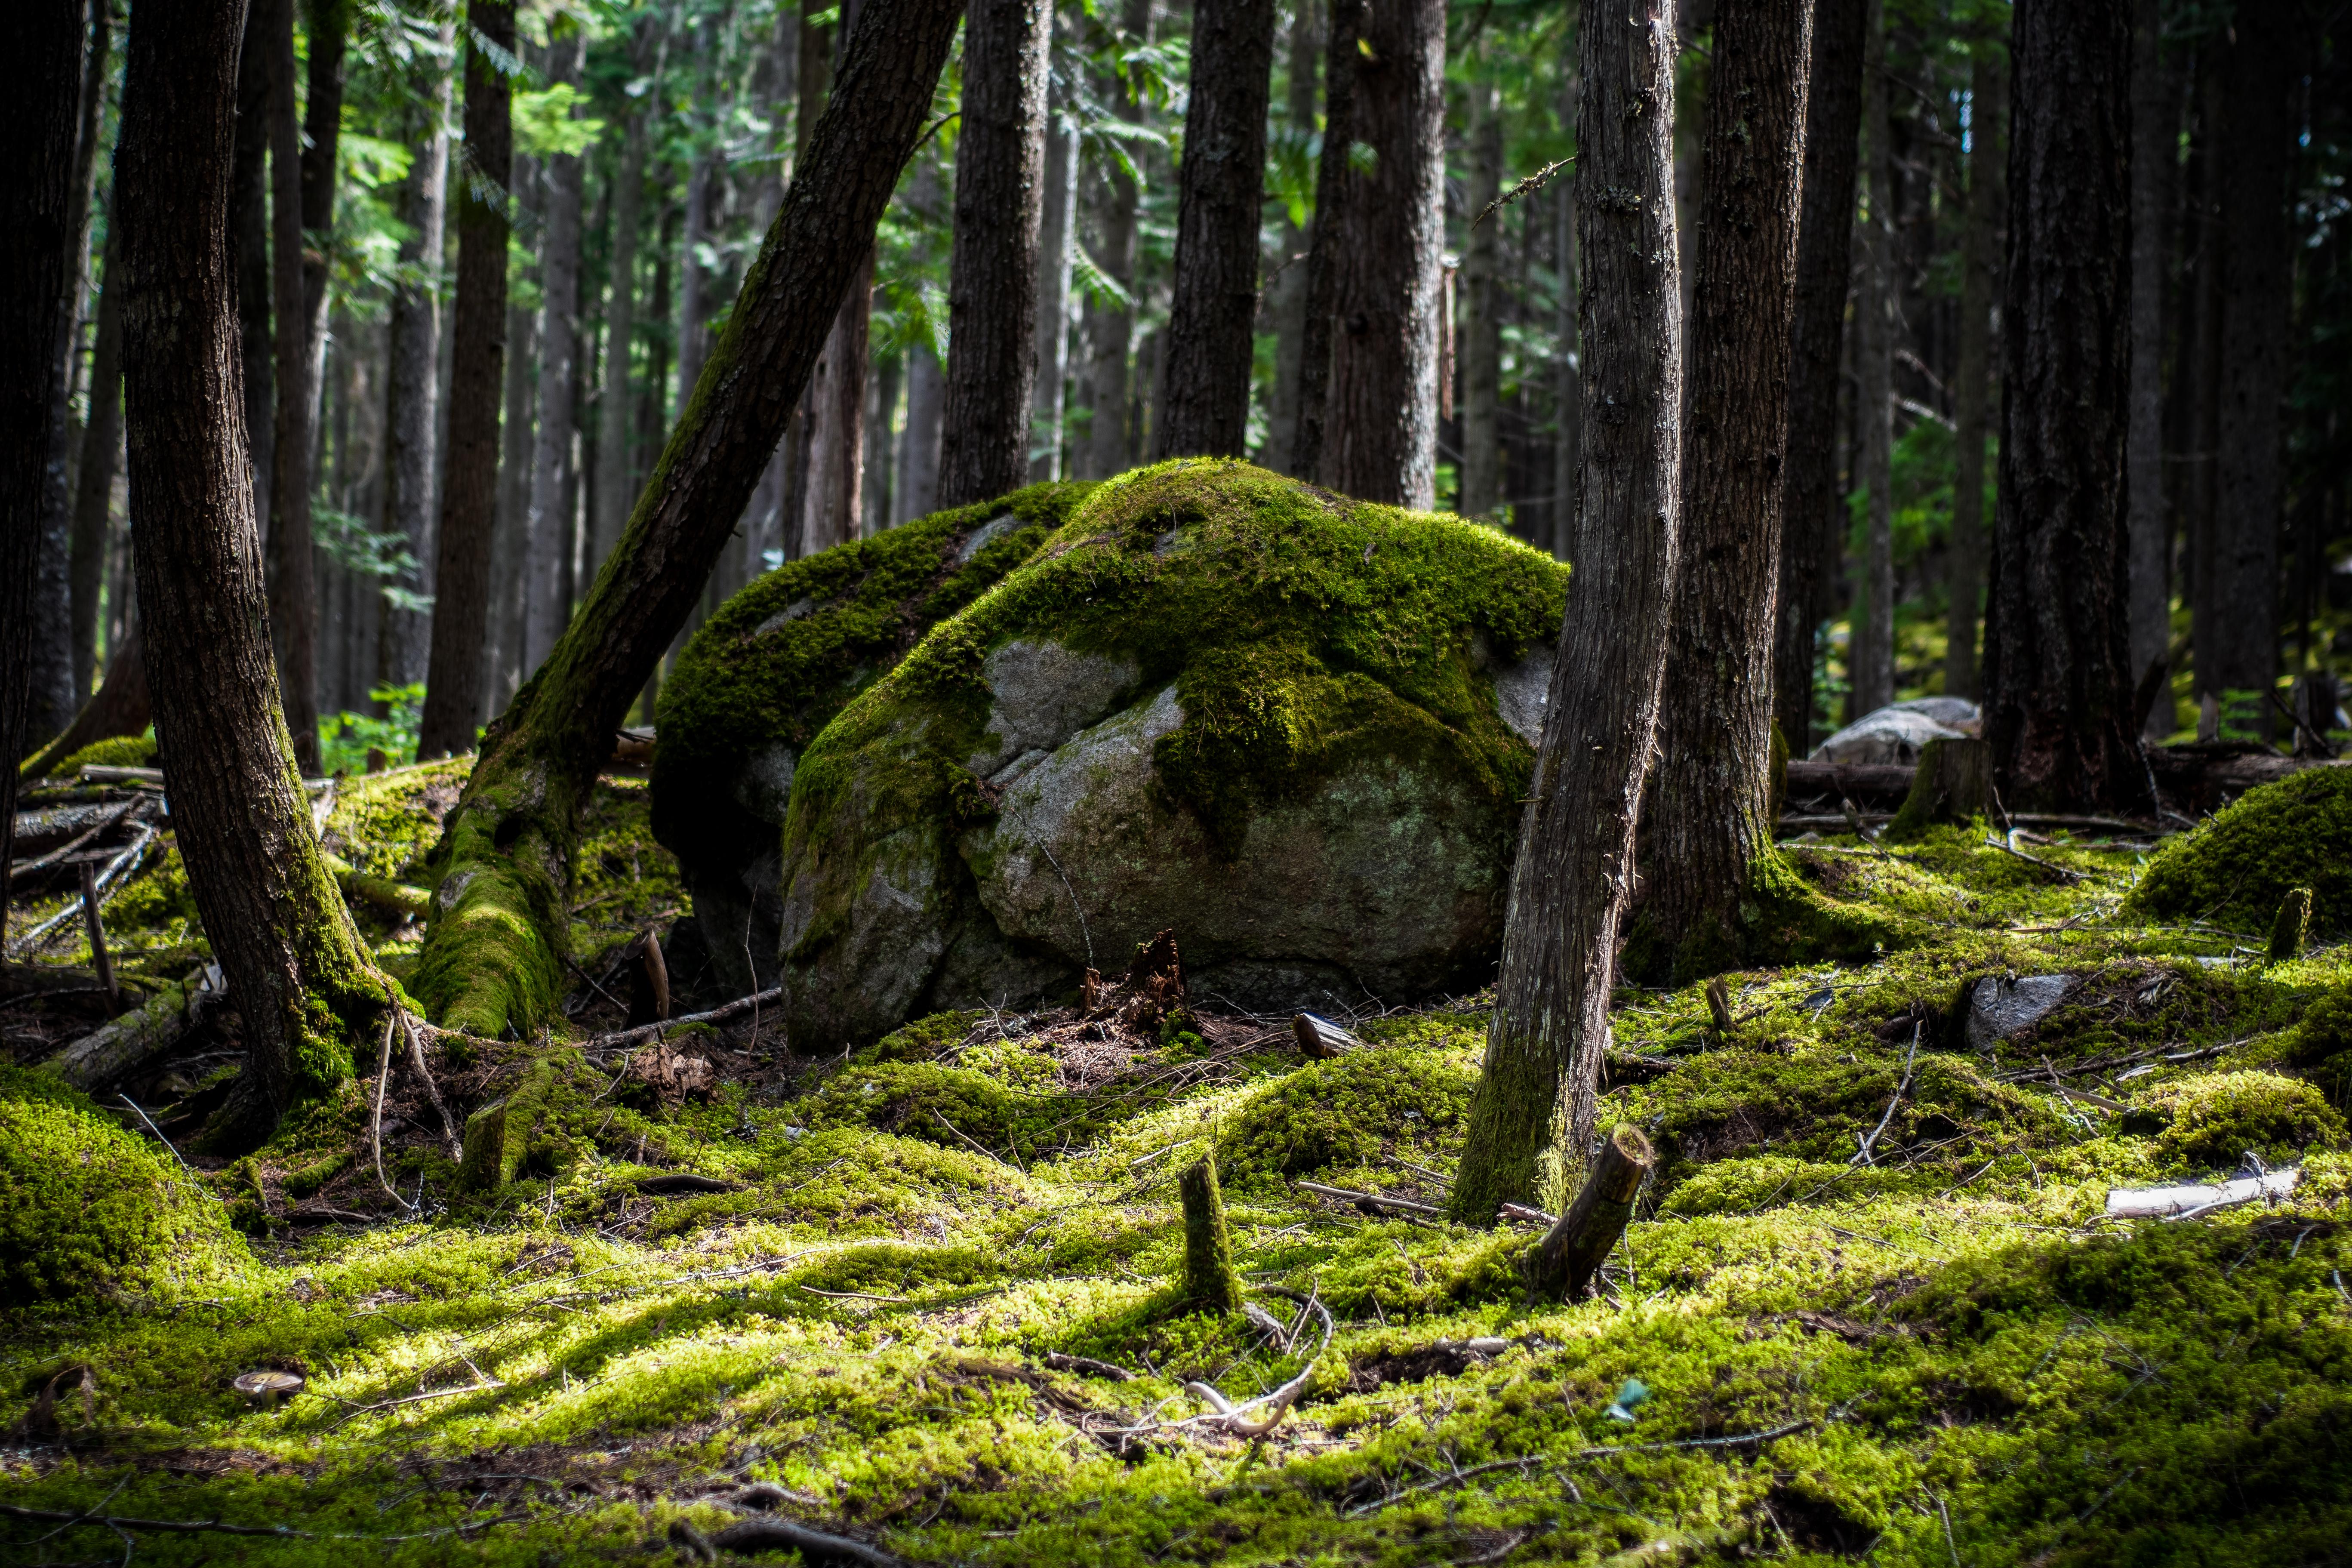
{"x": 1563, "y": 1264}
{"x": 1210, "y": 1283}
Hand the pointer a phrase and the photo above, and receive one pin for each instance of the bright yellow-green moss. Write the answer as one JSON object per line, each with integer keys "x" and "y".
{"x": 2236, "y": 867}
{"x": 1340, "y": 1112}
{"x": 2215, "y": 1120}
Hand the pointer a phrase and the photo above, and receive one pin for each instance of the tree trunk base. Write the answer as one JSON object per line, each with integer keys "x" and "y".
{"x": 1953, "y": 782}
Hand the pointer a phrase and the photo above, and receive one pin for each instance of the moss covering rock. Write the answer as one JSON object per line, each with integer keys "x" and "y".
{"x": 1294, "y": 728}
{"x": 2238, "y": 865}
{"x": 765, "y": 675}
{"x": 2215, "y": 1120}
{"x": 86, "y": 1210}
{"x": 1344, "y": 1111}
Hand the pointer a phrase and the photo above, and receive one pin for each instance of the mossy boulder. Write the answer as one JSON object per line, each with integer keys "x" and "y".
{"x": 87, "y": 1210}
{"x": 1294, "y": 728}
{"x": 2217, "y": 1118}
{"x": 1343, "y": 1111}
{"x": 2238, "y": 864}
{"x": 765, "y": 674}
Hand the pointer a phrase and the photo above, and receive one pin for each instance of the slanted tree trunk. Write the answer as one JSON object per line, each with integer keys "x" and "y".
{"x": 1870, "y": 644}
{"x": 1379, "y": 414}
{"x": 1482, "y": 322}
{"x": 2238, "y": 649}
{"x": 1206, "y": 395}
{"x": 1333, "y": 187}
{"x": 1705, "y": 890}
{"x": 1286, "y": 292}
{"x": 993, "y": 265}
{"x": 461, "y": 569}
{"x": 302, "y": 980}
{"x": 494, "y": 951}
{"x": 1813, "y": 513}
{"x": 1531, "y": 1117}
{"x": 101, "y": 450}
{"x": 412, "y": 381}
{"x": 548, "y": 530}
{"x": 2058, "y": 692}
{"x": 1110, "y": 324}
{"x": 120, "y": 706}
{"x": 2156, "y": 150}
{"x": 1988, "y": 199}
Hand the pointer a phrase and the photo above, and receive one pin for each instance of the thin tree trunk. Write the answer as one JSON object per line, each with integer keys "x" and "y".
{"x": 1287, "y": 290}
{"x": 1988, "y": 199}
{"x": 102, "y": 451}
{"x": 461, "y": 571}
{"x": 1205, "y": 396}
{"x": 505, "y": 650}
{"x": 1812, "y": 515}
{"x": 615, "y": 488}
{"x": 2057, "y": 688}
{"x": 1379, "y": 414}
{"x": 248, "y": 219}
{"x": 1333, "y": 187}
{"x": 302, "y": 980}
{"x": 2240, "y": 651}
{"x": 494, "y": 951}
{"x": 412, "y": 381}
{"x": 993, "y": 266}
{"x": 1055, "y": 221}
{"x": 1531, "y": 1117}
{"x": 1567, "y": 397}
{"x": 1482, "y": 326}
{"x": 2155, "y": 137}
{"x": 919, "y": 449}
{"x": 1700, "y": 904}
{"x": 1870, "y": 642}
{"x": 2205, "y": 372}
{"x": 835, "y": 404}
{"x": 881, "y": 450}
{"x": 1110, "y": 324}
{"x": 548, "y": 531}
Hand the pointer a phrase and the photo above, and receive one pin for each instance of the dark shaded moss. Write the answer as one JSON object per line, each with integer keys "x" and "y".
{"x": 2238, "y": 864}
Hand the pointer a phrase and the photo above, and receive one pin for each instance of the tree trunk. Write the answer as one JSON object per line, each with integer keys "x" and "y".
{"x": 919, "y": 447}
{"x": 1987, "y": 200}
{"x": 101, "y": 449}
{"x": 1057, "y": 214}
{"x": 1713, "y": 818}
{"x": 993, "y": 266}
{"x": 1343, "y": 42}
{"x": 881, "y": 450}
{"x": 1205, "y": 396}
{"x": 2238, "y": 650}
{"x": 504, "y": 650}
{"x": 1567, "y": 397}
{"x": 2058, "y": 691}
{"x": 1813, "y": 513}
{"x": 1110, "y": 325}
{"x": 294, "y": 962}
{"x": 547, "y": 534}
{"x": 248, "y": 221}
{"x": 461, "y": 570}
{"x": 65, "y": 650}
{"x": 1531, "y": 1116}
{"x": 412, "y": 382}
{"x": 836, "y": 402}
{"x": 2155, "y": 141}
{"x": 1288, "y": 289}
{"x": 1378, "y": 421}
{"x": 1870, "y": 641}
{"x": 120, "y": 706}
{"x": 493, "y": 954}
{"x": 1482, "y": 325}
{"x": 616, "y": 479}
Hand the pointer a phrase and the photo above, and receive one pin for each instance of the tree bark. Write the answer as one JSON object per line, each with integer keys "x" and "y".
{"x": 1288, "y": 289}
{"x": 1342, "y": 43}
{"x": 919, "y": 449}
{"x": 494, "y": 951}
{"x": 1563, "y": 1265}
{"x": 412, "y": 381}
{"x": 1378, "y": 420}
{"x": 1531, "y": 1116}
{"x": 2058, "y": 690}
{"x": 1813, "y": 513}
{"x": 461, "y": 570}
{"x": 101, "y": 450}
{"x": 2238, "y": 650}
{"x": 1567, "y": 400}
{"x": 120, "y": 706}
{"x": 2154, "y": 133}
{"x": 1110, "y": 325}
{"x": 1211, "y": 314}
{"x": 1987, "y": 200}
{"x": 836, "y": 402}
{"x": 993, "y": 265}
{"x": 616, "y": 487}
{"x": 248, "y": 221}
{"x": 1482, "y": 326}
{"x": 1713, "y": 811}
{"x": 1057, "y": 213}
{"x": 503, "y": 650}
{"x": 548, "y": 531}
{"x": 1870, "y": 641}
{"x": 269, "y": 906}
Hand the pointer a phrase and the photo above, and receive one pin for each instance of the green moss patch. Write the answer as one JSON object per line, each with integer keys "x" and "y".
{"x": 2236, "y": 867}
{"x": 2216, "y": 1119}
{"x": 1345, "y": 1112}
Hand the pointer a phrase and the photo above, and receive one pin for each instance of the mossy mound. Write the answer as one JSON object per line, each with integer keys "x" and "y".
{"x": 1296, "y": 728}
{"x": 114, "y": 752}
{"x": 86, "y": 1210}
{"x": 944, "y": 1105}
{"x": 765, "y": 675}
{"x": 1345, "y": 1112}
{"x": 2218, "y": 1118}
{"x": 2237, "y": 866}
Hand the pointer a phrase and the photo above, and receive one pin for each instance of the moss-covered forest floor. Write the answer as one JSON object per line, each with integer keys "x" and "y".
{"x": 923, "y": 1290}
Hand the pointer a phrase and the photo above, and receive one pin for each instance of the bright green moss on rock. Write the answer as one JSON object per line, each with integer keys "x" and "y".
{"x": 88, "y": 1211}
{"x": 2237, "y": 868}
{"x": 117, "y": 751}
{"x": 2216, "y": 1119}
{"x": 1342, "y": 1111}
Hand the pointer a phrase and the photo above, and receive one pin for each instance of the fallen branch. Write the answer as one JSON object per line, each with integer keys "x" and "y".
{"x": 1862, "y": 1156}
{"x": 1527, "y": 186}
{"x": 2187, "y": 1202}
{"x": 120, "y": 1048}
{"x": 1237, "y": 1419}
{"x": 392, "y": 897}
{"x": 105, "y": 824}
{"x": 482, "y": 1387}
{"x": 2008, "y": 846}
{"x": 815, "y": 1545}
{"x": 1440, "y": 1484}
{"x": 104, "y": 884}
{"x": 1372, "y": 1202}
{"x": 2102, "y": 1063}
{"x": 1089, "y": 1367}
{"x": 644, "y": 1032}
{"x": 1525, "y": 1216}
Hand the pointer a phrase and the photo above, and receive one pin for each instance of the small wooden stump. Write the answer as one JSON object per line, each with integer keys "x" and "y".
{"x": 99, "y": 958}
{"x": 648, "y": 983}
{"x": 1953, "y": 783}
{"x": 1209, "y": 1277}
{"x": 2292, "y": 926}
{"x": 1565, "y": 1261}
{"x": 1319, "y": 1039}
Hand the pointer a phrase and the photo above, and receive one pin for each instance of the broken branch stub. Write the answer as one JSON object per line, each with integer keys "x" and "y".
{"x": 1319, "y": 1039}
{"x": 1209, "y": 1277}
{"x": 1564, "y": 1262}
{"x": 2293, "y": 925}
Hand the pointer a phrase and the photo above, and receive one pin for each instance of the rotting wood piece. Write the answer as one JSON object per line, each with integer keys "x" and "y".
{"x": 1319, "y": 1039}
{"x": 98, "y": 957}
{"x": 130, "y": 1042}
{"x": 2188, "y": 1201}
{"x": 1210, "y": 1282}
{"x": 648, "y": 982}
{"x": 1952, "y": 784}
{"x": 1565, "y": 1261}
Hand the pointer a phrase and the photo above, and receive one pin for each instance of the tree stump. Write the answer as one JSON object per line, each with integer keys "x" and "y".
{"x": 1209, "y": 1277}
{"x": 1953, "y": 783}
{"x": 1565, "y": 1261}
{"x": 2292, "y": 926}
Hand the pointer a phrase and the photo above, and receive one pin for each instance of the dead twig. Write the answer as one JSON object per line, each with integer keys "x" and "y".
{"x": 1525, "y": 187}
{"x": 375, "y": 1128}
{"x": 1371, "y": 1202}
{"x": 1862, "y": 1156}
